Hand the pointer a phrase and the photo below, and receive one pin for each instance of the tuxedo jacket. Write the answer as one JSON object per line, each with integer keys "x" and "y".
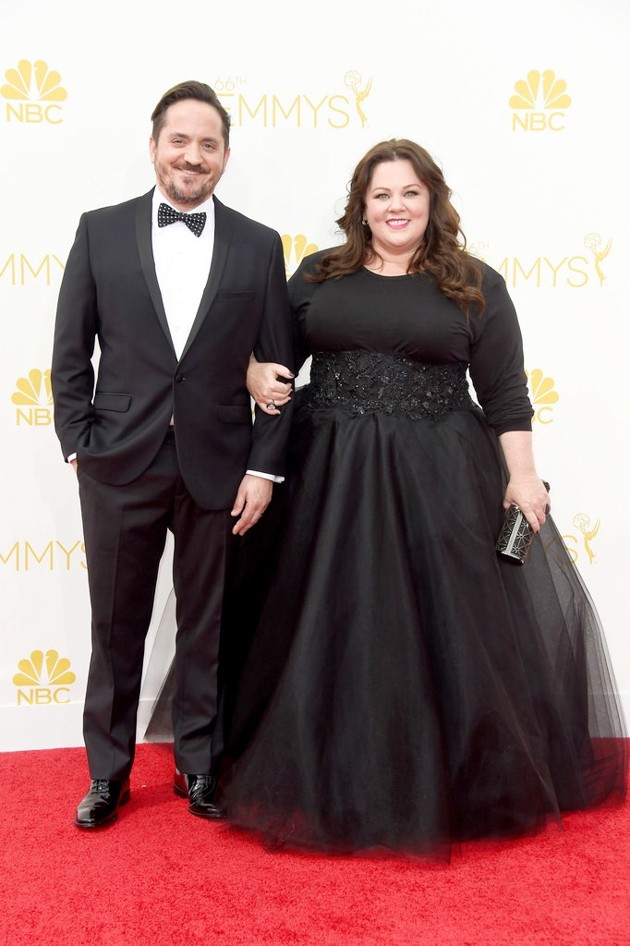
{"x": 115, "y": 418}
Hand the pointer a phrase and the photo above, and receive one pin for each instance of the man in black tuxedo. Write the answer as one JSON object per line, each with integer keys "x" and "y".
{"x": 178, "y": 290}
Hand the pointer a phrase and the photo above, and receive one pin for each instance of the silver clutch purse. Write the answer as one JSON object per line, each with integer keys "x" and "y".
{"x": 516, "y": 535}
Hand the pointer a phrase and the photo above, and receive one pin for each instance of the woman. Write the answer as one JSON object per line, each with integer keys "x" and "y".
{"x": 406, "y": 688}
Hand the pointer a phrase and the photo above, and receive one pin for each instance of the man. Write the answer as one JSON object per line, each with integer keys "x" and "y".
{"x": 179, "y": 290}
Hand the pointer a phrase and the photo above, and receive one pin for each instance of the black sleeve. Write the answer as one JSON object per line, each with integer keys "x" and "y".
{"x": 76, "y": 327}
{"x": 496, "y": 360}
{"x": 300, "y": 295}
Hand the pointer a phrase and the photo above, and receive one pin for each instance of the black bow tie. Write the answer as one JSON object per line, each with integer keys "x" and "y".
{"x": 195, "y": 222}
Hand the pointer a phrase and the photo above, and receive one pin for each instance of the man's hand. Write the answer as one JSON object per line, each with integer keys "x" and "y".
{"x": 74, "y": 464}
{"x": 252, "y": 498}
{"x": 268, "y": 384}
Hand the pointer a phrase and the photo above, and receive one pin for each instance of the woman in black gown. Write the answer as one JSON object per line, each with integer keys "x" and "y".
{"x": 406, "y": 688}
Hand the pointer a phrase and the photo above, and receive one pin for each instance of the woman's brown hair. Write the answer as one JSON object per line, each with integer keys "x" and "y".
{"x": 442, "y": 252}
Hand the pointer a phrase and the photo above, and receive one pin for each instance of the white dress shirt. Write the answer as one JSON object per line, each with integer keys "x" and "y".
{"x": 182, "y": 263}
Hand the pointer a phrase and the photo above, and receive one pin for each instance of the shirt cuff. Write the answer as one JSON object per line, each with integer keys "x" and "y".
{"x": 266, "y": 476}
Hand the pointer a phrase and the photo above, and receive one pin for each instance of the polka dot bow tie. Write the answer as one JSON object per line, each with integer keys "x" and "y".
{"x": 194, "y": 222}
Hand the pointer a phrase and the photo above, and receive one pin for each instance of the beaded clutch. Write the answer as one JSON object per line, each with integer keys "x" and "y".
{"x": 516, "y": 535}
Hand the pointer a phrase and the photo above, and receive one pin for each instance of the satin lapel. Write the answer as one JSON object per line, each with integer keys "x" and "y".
{"x": 145, "y": 249}
{"x": 222, "y": 240}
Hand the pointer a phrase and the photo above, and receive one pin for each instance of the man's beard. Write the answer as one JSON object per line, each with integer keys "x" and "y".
{"x": 192, "y": 198}
{"x": 179, "y": 195}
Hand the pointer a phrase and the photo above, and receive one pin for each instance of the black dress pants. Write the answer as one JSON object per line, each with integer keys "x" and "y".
{"x": 125, "y": 530}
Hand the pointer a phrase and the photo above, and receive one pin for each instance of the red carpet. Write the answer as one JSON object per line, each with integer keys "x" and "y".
{"x": 160, "y": 876}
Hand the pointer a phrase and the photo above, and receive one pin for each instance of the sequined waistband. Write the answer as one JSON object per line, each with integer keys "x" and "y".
{"x": 365, "y": 382}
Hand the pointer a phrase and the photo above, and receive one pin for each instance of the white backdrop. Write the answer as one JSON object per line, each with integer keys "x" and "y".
{"x": 522, "y": 106}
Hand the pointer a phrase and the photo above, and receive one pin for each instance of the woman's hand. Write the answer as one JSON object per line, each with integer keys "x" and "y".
{"x": 266, "y": 384}
{"x": 529, "y": 494}
{"x": 525, "y": 489}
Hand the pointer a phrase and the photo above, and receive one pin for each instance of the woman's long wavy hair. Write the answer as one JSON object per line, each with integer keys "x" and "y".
{"x": 442, "y": 251}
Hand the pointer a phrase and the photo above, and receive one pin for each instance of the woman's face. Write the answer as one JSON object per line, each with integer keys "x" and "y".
{"x": 397, "y": 207}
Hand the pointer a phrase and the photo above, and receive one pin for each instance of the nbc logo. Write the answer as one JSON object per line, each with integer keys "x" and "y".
{"x": 43, "y": 679}
{"x": 538, "y": 102}
{"x": 543, "y": 395}
{"x": 35, "y": 89}
{"x": 295, "y": 249}
{"x": 33, "y": 397}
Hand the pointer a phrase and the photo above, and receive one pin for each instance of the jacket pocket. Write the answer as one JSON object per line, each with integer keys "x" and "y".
{"x": 103, "y": 401}
{"x": 235, "y": 295}
{"x": 234, "y": 414}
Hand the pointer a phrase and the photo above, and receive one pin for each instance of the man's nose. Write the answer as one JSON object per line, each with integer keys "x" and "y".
{"x": 193, "y": 154}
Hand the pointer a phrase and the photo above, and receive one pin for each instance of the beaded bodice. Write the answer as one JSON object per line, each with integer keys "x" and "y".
{"x": 365, "y": 382}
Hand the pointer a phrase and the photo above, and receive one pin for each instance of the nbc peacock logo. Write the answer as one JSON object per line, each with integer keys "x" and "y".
{"x": 540, "y": 102}
{"x": 543, "y": 395}
{"x": 33, "y": 93}
{"x": 33, "y": 399}
{"x": 295, "y": 249}
{"x": 43, "y": 679}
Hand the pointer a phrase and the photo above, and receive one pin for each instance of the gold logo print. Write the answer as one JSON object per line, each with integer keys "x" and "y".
{"x": 593, "y": 241}
{"x": 31, "y": 670}
{"x": 550, "y": 93}
{"x": 20, "y": 81}
{"x": 539, "y": 101}
{"x": 296, "y": 247}
{"x": 583, "y": 522}
{"x": 352, "y": 81}
{"x": 543, "y": 395}
{"x": 35, "y": 390}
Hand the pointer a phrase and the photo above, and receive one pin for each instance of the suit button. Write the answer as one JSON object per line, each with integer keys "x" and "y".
{"x": 179, "y": 377}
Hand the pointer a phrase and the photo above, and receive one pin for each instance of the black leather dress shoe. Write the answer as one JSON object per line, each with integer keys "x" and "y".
{"x": 100, "y": 805}
{"x": 201, "y": 791}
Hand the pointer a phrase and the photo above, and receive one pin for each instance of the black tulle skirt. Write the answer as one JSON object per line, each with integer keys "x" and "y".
{"x": 391, "y": 683}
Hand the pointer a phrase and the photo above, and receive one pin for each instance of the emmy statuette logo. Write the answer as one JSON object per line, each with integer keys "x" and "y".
{"x": 588, "y": 531}
{"x": 539, "y": 102}
{"x": 353, "y": 80}
{"x": 32, "y": 92}
{"x": 43, "y": 679}
{"x": 593, "y": 242}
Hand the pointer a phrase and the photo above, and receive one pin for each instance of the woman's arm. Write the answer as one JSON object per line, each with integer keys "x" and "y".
{"x": 525, "y": 488}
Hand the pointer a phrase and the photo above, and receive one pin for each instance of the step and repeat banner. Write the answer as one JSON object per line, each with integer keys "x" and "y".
{"x": 523, "y": 108}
